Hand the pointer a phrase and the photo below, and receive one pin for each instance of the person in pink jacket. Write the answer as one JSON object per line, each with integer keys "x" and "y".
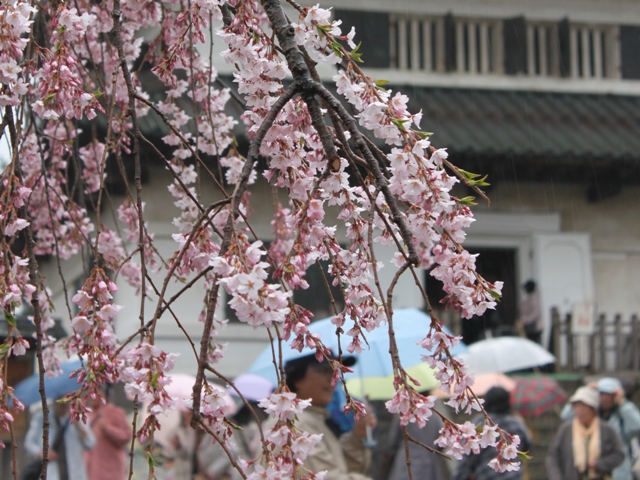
{"x": 108, "y": 459}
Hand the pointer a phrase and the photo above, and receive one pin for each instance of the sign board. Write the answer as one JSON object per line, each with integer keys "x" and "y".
{"x": 583, "y": 319}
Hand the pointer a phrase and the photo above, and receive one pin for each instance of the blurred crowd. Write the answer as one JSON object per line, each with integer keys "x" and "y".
{"x": 596, "y": 441}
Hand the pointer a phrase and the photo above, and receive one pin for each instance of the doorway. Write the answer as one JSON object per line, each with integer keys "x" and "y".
{"x": 493, "y": 264}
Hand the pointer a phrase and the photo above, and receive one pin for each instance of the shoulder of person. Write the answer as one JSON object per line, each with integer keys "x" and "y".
{"x": 605, "y": 427}
{"x": 628, "y": 407}
{"x": 566, "y": 425}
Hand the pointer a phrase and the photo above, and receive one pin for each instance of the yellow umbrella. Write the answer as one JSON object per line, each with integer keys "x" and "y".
{"x": 381, "y": 388}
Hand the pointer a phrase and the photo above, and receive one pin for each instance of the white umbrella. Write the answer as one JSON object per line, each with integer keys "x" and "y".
{"x": 505, "y": 354}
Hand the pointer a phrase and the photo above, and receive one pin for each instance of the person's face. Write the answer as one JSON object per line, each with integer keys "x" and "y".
{"x": 584, "y": 413}
{"x": 316, "y": 384}
{"x": 607, "y": 401}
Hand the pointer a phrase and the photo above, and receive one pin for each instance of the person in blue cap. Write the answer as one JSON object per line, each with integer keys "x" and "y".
{"x": 621, "y": 414}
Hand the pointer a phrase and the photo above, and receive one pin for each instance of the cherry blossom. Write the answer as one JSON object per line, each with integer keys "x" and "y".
{"x": 73, "y": 104}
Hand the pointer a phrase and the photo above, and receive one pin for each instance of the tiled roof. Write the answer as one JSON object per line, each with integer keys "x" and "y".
{"x": 530, "y": 124}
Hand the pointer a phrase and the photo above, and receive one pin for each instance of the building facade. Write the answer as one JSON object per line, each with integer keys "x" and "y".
{"x": 542, "y": 96}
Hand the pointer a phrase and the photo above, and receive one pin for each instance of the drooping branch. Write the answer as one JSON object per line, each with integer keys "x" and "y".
{"x": 34, "y": 280}
{"x": 212, "y": 298}
{"x": 122, "y": 60}
{"x": 295, "y": 59}
{"x": 308, "y": 162}
{"x": 382, "y": 182}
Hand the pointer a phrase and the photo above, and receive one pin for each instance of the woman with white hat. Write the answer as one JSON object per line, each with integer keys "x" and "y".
{"x": 585, "y": 447}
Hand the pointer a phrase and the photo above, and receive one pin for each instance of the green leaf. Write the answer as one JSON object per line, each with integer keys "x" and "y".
{"x": 472, "y": 178}
{"x": 4, "y": 349}
{"x": 379, "y": 83}
{"x": 356, "y": 57}
{"x": 468, "y": 175}
{"x": 524, "y": 456}
{"x": 399, "y": 123}
{"x": 154, "y": 379}
{"x": 152, "y": 463}
{"x": 11, "y": 320}
{"x": 469, "y": 201}
{"x": 479, "y": 183}
{"x": 422, "y": 134}
{"x": 495, "y": 294}
{"x": 337, "y": 49}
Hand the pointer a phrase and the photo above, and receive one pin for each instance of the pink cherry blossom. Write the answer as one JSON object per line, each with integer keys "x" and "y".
{"x": 79, "y": 102}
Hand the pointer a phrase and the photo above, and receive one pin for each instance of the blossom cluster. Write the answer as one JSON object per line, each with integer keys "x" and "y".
{"x": 411, "y": 410}
{"x": 61, "y": 226}
{"x": 145, "y": 373}
{"x": 289, "y": 445}
{"x": 94, "y": 340}
{"x": 311, "y": 30}
{"x": 60, "y": 87}
{"x": 15, "y": 23}
{"x": 15, "y": 287}
{"x": 244, "y": 276}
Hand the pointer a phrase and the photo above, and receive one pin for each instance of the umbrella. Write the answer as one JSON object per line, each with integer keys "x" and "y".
{"x": 505, "y": 354}
{"x": 535, "y": 395}
{"x": 410, "y": 325}
{"x": 485, "y": 381}
{"x": 381, "y": 388}
{"x": 27, "y": 390}
{"x": 252, "y": 387}
{"x": 181, "y": 389}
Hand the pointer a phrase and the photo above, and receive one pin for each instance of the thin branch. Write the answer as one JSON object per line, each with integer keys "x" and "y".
{"x": 34, "y": 280}
{"x": 117, "y": 27}
{"x": 184, "y": 141}
{"x": 241, "y": 186}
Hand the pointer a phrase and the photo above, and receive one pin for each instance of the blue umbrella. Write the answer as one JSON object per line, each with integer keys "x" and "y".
{"x": 27, "y": 390}
{"x": 410, "y": 325}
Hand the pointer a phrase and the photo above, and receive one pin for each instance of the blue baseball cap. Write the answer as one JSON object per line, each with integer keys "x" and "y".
{"x": 609, "y": 385}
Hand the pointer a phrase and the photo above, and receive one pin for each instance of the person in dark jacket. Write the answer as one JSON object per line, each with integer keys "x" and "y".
{"x": 497, "y": 403}
{"x": 424, "y": 464}
{"x": 621, "y": 414}
{"x": 584, "y": 448}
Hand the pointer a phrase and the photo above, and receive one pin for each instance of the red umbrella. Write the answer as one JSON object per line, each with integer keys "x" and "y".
{"x": 535, "y": 395}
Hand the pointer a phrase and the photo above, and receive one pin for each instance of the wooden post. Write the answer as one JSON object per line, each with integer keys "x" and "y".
{"x": 557, "y": 335}
{"x": 618, "y": 324}
{"x": 603, "y": 342}
{"x": 593, "y": 365}
{"x": 635, "y": 327}
{"x": 570, "y": 353}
